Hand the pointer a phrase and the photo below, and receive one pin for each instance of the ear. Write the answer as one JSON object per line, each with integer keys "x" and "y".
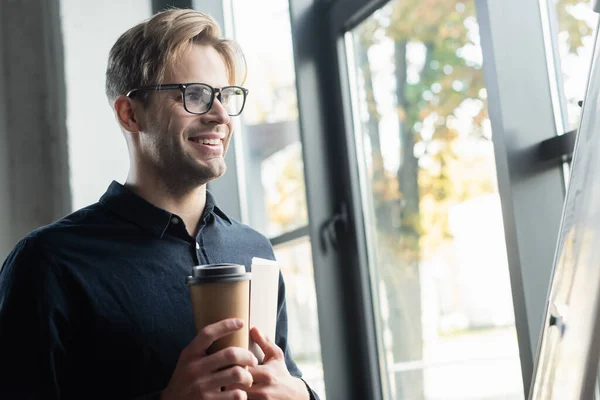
{"x": 127, "y": 113}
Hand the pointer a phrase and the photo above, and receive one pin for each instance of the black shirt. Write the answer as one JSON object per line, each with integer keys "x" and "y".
{"x": 95, "y": 305}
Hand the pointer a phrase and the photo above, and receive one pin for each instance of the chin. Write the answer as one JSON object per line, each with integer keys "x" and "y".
{"x": 212, "y": 171}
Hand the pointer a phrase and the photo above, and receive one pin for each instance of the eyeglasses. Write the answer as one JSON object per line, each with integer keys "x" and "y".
{"x": 198, "y": 98}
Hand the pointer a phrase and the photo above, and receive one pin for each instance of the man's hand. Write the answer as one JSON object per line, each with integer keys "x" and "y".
{"x": 200, "y": 376}
{"x": 272, "y": 381}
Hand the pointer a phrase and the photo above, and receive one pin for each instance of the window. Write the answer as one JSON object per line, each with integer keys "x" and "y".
{"x": 439, "y": 269}
{"x": 295, "y": 258}
{"x": 270, "y": 138}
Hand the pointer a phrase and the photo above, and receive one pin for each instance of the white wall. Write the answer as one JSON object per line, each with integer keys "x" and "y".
{"x": 97, "y": 149}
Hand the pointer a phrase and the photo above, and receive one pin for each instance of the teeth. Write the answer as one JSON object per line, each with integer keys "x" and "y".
{"x": 207, "y": 141}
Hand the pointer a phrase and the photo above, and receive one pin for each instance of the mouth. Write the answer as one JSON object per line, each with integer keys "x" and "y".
{"x": 206, "y": 142}
{"x": 207, "y": 147}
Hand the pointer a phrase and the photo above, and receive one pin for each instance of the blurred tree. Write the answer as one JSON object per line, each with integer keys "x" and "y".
{"x": 286, "y": 203}
{"x": 576, "y": 22}
{"x": 568, "y": 22}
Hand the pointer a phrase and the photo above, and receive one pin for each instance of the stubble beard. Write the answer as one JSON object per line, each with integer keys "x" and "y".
{"x": 178, "y": 171}
{"x": 181, "y": 174}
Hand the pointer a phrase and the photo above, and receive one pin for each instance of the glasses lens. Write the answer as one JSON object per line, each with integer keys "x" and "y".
{"x": 232, "y": 98}
{"x": 197, "y": 98}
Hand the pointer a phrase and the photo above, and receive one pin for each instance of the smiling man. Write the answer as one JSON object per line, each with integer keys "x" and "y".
{"x": 95, "y": 305}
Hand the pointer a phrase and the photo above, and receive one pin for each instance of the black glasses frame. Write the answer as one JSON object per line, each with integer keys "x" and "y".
{"x": 215, "y": 92}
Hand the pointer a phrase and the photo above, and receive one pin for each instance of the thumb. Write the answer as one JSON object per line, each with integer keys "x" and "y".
{"x": 270, "y": 349}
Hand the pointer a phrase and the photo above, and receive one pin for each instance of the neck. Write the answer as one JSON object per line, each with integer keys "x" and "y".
{"x": 187, "y": 204}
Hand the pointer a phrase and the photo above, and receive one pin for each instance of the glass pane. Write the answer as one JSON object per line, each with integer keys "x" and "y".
{"x": 433, "y": 217}
{"x": 270, "y": 137}
{"x": 575, "y": 22}
{"x": 295, "y": 259}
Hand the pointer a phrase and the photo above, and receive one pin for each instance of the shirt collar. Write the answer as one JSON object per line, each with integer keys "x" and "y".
{"x": 134, "y": 208}
{"x": 212, "y": 208}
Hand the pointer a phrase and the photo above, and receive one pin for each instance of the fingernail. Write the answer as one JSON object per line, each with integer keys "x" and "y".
{"x": 239, "y": 323}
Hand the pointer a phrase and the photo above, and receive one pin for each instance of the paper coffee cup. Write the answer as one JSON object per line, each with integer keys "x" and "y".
{"x": 218, "y": 292}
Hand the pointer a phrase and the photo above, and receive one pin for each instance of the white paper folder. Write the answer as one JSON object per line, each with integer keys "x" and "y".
{"x": 264, "y": 290}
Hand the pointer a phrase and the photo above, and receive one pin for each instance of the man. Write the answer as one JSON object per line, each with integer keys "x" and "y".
{"x": 95, "y": 305}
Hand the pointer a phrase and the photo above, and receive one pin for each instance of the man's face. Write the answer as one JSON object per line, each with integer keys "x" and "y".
{"x": 186, "y": 150}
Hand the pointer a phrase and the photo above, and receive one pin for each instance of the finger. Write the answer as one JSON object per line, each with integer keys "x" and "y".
{"x": 235, "y": 375}
{"x": 259, "y": 391}
{"x": 228, "y": 357}
{"x": 270, "y": 349}
{"x": 236, "y": 386}
{"x": 206, "y": 337}
{"x": 236, "y": 394}
{"x": 261, "y": 375}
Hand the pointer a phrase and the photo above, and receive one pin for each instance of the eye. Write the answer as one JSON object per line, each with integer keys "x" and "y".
{"x": 225, "y": 96}
{"x": 198, "y": 94}
{"x": 231, "y": 93}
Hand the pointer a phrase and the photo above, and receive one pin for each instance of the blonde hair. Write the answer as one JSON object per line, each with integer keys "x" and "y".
{"x": 144, "y": 53}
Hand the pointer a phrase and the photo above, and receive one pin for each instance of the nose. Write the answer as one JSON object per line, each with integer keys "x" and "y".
{"x": 217, "y": 113}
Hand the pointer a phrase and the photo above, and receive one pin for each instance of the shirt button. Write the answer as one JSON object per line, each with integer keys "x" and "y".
{"x": 197, "y": 246}
{"x": 175, "y": 220}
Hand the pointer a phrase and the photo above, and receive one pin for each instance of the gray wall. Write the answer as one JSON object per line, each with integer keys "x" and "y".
{"x": 34, "y": 165}
{"x": 5, "y": 216}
